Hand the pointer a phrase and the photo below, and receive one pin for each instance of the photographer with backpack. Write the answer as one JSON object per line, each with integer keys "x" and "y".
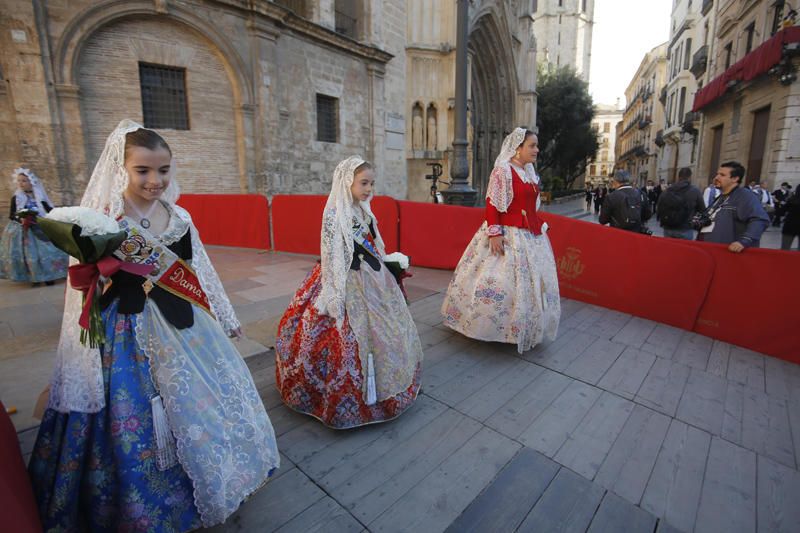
{"x": 678, "y": 204}
{"x": 625, "y": 208}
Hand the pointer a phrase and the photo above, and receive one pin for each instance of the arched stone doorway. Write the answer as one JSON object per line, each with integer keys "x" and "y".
{"x": 109, "y": 84}
{"x": 493, "y": 97}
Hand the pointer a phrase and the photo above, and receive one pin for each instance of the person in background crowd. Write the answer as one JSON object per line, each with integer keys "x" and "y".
{"x": 678, "y": 204}
{"x": 710, "y": 194}
{"x": 625, "y": 207}
{"x": 791, "y": 226}
{"x": 781, "y": 195}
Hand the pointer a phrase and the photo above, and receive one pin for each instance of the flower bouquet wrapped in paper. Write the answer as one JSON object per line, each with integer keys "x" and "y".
{"x": 398, "y": 264}
{"x": 91, "y": 238}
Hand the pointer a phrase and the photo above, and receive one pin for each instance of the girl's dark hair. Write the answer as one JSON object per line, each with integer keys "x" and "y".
{"x": 363, "y": 166}
{"x": 146, "y": 139}
{"x": 528, "y": 133}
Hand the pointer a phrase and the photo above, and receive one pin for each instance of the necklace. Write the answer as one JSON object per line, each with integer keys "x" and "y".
{"x": 143, "y": 218}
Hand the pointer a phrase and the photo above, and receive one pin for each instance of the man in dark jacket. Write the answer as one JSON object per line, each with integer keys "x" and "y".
{"x": 737, "y": 217}
{"x": 678, "y": 204}
{"x": 625, "y": 207}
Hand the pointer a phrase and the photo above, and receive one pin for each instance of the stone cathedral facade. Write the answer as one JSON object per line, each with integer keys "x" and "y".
{"x": 262, "y": 97}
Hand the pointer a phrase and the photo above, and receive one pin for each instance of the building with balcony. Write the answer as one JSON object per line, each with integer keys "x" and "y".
{"x": 691, "y": 26}
{"x": 604, "y": 123}
{"x": 748, "y": 102}
{"x": 643, "y": 117}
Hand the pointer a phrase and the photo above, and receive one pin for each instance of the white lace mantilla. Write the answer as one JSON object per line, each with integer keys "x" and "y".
{"x": 336, "y": 246}
{"x": 500, "y": 190}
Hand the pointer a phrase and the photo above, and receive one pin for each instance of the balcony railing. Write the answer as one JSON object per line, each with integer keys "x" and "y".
{"x": 706, "y": 7}
{"x": 699, "y": 61}
{"x": 659, "y": 140}
{"x": 663, "y": 96}
{"x": 690, "y": 121}
{"x": 644, "y": 122}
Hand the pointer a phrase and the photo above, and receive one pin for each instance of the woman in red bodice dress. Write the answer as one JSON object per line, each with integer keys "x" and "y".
{"x": 505, "y": 287}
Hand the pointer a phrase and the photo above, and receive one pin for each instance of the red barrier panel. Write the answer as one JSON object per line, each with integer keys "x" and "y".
{"x": 297, "y": 221}
{"x": 752, "y": 301}
{"x": 18, "y": 511}
{"x": 230, "y": 219}
{"x": 434, "y": 235}
{"x": 694, "y": 286}
{"x": 659, "y": 279}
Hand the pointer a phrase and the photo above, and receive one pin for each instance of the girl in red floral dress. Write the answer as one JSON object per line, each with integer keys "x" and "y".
{"x": 347, "y": 349}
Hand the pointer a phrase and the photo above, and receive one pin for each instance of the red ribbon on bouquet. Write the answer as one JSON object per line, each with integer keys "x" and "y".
{"x": 28, "y": 221}
{"x": 84, "y": 277}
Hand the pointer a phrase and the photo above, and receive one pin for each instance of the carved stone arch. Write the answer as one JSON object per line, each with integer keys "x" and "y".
{"x": 82, "y": 26}
{"x": 494, "y": 89}
{"x": 86, "y": 24}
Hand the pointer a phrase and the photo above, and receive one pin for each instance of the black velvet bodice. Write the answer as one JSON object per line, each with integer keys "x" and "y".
{"x": 359, "y": 252}
{"x": 128, "y": 288}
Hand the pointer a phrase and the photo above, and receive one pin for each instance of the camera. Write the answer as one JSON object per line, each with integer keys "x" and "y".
{"x": 701, "y": 220}
{"x": 436, "y": 172}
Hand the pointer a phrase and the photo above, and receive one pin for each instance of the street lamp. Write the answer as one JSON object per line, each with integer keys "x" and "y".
{"x": 460, "y": 192}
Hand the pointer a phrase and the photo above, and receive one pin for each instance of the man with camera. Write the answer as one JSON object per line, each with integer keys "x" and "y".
{"x": 626, "y": 207}
{"x": 736, "y": 217}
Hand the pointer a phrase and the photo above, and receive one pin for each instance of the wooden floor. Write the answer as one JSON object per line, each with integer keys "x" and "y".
{"x": 619, "y": 425}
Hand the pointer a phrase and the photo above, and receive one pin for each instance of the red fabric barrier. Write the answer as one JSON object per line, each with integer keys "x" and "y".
{"x": 297, "y": 222}
{"x": 694, "y": 286}
{"x": 659, "y": 279}
{"x": 752, "y": 301}
{"x": 230, "y": 219}
{"x": 434, "y": 235}
{"x": 18, "y": 511}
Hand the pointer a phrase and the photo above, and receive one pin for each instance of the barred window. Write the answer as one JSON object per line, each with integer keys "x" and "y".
{"x": 327, "y": 118}
{"x": 163, "y": 97}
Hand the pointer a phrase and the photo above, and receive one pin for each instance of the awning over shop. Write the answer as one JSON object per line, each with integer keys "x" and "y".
{"x": 757, "y": 62}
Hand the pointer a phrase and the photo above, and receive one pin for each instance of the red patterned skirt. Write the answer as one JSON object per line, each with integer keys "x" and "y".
{"x": 318, "y": 369}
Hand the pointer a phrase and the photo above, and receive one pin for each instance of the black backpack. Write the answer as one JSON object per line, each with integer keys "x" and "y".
{"x": 631, "y": 212}
{"x": 672, "y": 209}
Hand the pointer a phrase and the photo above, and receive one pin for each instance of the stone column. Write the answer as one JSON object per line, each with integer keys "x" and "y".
{"x": 377, "y": 120}
{"x": 263, "y": 51}
{"x": 460, "y": 192}
{"x": 70, "y": 144}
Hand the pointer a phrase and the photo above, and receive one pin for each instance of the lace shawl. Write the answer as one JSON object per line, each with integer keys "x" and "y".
{"x": 500, "y": 190}
{"x": 336, "y": 246}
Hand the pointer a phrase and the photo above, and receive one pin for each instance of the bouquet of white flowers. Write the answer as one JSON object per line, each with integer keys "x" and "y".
{"x": 398, "y": 264}
{"x": 91, "y": 238}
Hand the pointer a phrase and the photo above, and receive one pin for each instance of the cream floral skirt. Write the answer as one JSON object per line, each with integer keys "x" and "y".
{"x": 511, "y": 298}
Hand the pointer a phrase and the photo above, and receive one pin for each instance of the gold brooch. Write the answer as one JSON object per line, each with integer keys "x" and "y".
{"x": 147, "y": 286}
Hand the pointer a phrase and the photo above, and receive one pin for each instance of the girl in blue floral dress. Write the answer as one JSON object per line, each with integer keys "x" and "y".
{"x": 162, "y": 428}
{"x": 26, "y": 254}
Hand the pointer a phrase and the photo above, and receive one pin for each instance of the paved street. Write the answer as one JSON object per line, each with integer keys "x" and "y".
{"x": 620, "y": 424}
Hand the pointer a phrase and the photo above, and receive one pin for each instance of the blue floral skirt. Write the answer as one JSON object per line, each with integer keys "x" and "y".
{"x": 28, "y": 255}
{"x": 97, "y": 472}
